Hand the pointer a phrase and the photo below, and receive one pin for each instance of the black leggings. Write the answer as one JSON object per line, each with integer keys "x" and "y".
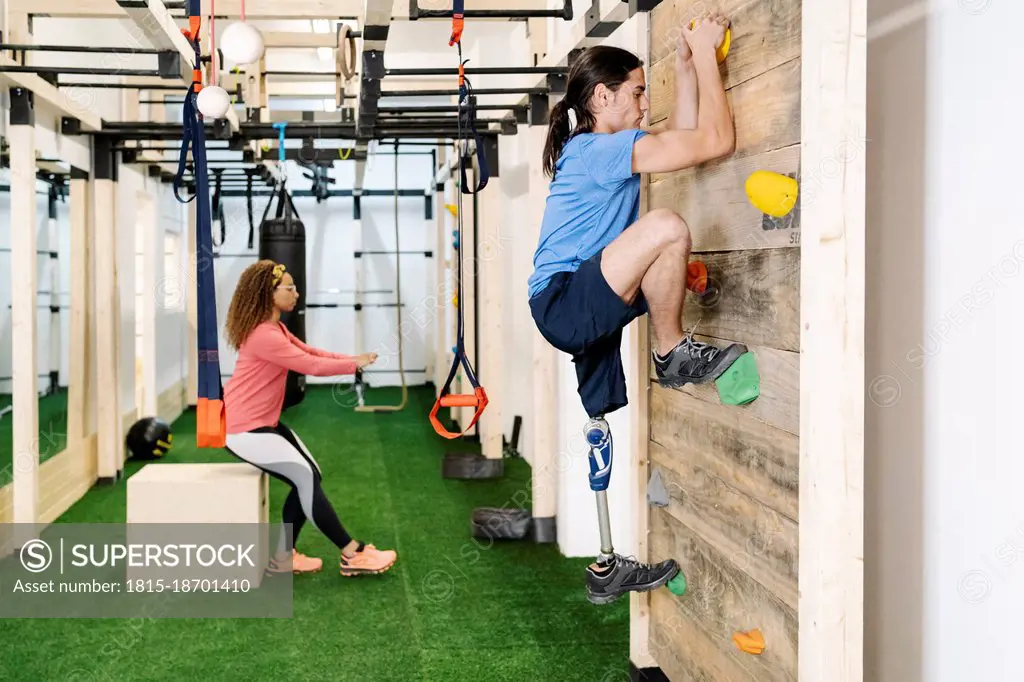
{"x": 279, "y": 452}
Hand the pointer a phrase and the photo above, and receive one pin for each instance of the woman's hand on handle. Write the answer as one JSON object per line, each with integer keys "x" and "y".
{"x": 366, "y": 359}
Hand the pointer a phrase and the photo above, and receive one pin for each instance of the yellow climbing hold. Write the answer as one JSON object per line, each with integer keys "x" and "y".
{"x": 751, "y": 642}
{"x": 772, "y": 193}
{"x": 723, "y": 50}
{"x": 453, "y": 209}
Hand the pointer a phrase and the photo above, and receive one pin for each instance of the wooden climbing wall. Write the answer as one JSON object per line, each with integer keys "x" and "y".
{"x": 732, "y": 471}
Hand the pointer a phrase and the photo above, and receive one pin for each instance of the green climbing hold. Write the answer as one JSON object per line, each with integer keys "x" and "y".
{"x": 740, "y": 384}
{"x": 677, "y": 585}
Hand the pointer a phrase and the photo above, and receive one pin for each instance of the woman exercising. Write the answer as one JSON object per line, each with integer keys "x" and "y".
{"x": 597, "y": 266}
{"x": 253, "y": 398}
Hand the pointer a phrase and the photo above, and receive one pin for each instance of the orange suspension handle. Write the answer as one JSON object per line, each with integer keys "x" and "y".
{"x": 477, "y": 399}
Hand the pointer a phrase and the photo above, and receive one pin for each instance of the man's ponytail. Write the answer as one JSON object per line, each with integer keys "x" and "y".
{"x": 601, "y": 64}
{"x": 558, "y": 134}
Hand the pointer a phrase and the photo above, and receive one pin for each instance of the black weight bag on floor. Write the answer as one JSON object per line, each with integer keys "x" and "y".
{"x": 283, "y": 240}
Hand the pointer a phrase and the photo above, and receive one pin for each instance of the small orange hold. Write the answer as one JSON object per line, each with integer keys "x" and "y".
{"x": 751, "y": 642}
{"x": 697, "y": 277}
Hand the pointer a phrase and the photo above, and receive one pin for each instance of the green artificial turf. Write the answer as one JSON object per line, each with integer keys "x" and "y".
{"x": 453, "y": 608}
{"x": 53, "y": 431}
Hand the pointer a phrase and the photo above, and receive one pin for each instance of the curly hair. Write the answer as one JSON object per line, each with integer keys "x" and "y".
{"x": 253, "y": 300}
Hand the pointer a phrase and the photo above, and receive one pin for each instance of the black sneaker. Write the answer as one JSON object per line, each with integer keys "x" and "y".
{"x": 626, "y": 574}
{"x": 693, "y": 362}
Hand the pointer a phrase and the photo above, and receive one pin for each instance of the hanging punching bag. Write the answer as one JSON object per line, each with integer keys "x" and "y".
{"x": 283, "y": 240}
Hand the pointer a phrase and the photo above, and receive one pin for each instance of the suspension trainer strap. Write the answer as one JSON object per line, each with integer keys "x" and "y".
{"x": 467, "y": 116}
{"x": 458, "y": 22}
{"x": 478, "y": 399}
{"x": 210, "y": 416}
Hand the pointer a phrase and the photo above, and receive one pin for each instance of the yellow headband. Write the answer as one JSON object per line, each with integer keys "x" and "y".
{"x": 278, "y": 273}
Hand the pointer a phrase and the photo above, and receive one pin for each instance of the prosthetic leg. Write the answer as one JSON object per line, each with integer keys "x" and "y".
{"x": 599, "y": 437}
{"x": 615, "y": 575}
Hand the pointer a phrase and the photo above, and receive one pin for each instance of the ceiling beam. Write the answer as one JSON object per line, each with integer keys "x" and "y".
{"x": 294, "y": 39}
{"x": 157, "y": 24}
{"x": 65, "y": 103}
{"x": 254, "y": 9}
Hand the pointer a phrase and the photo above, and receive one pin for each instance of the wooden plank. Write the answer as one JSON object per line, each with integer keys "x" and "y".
{"x": 639, "y": 331}
{"x": 488, "y": 265}
{"x": 107, "y": 326}
{"x": 544, "y": 357}
{"x": 713, "y": 201}
{"x": 73, "y": 102}
{"x": 765, "y": 33}
{"x": 148, "y": 222}
{"x": 684, "y": 651}
{"x": 832, "y": 276}
{"x": 756, "y": 459}
{"x": 79, "y": 343}
{"x": 778, "y": 402}
{"x": 24, "y": 323}
{"x": 254, "y": 9}
{"x": 766, "y": 109}
{"x": 722, "y": 599}
{"x": 760, "y": 541}
{"x": 163, "y": 31}
{"x": 68, "y": 476}
{"x": 759, "y": 301}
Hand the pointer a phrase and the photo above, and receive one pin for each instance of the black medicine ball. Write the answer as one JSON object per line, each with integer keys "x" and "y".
{"x": 149, "y": 438}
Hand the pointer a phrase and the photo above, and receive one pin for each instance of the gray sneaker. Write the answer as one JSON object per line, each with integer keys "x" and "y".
{"x": 693, "y": 362}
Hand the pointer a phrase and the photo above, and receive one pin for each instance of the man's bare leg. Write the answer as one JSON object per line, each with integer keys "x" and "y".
{"x": 651, "y": 256}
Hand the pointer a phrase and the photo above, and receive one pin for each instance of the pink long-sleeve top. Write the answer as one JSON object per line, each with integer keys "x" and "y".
{"x": 254, "y": 394}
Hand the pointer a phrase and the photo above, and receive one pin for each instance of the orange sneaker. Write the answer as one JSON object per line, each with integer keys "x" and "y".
{"x": 369, "y": 561}
{"x": 296, "y": 563}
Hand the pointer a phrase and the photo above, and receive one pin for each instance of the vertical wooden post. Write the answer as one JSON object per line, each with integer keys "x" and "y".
{"x": 832, "y": 274}
{"x": 108, "y": 321}
{"x": 152, "y": 251}
{"x": 544, "y": 368}
{"x": 490, "y": 257}
{"x": 24, "y": 288}
{"x": 80, "y": 392}
{"x": 639, "y": 415}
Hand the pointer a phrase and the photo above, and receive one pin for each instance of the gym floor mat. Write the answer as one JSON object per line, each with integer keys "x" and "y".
{"x": 453, "y": 608}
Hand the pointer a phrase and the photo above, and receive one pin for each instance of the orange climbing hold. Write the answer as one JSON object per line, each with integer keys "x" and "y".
{"x": 697, "y": 277}
{"x": 751, "y": 642}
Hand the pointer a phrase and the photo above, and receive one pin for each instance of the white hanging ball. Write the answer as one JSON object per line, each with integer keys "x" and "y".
{"x": 242, "y": 43}
{"x": 213, "y": 101}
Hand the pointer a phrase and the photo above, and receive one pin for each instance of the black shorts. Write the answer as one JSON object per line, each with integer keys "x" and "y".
{"x": 579, "y": 314}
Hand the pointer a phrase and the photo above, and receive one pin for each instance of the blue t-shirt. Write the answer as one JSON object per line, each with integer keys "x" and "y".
{"x": 593, "y": 198}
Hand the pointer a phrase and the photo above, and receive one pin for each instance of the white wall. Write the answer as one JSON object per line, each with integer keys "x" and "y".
{"x": 43, "y": 265}
{"x": 331, "y": 264}
{"x": 945, "y": 513}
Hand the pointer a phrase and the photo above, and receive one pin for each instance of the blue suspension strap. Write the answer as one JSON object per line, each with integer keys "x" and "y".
{"x": 211, "y": 431}
{"x": 467, "y": 114}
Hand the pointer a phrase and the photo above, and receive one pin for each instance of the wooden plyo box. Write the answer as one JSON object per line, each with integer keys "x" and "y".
{"x": 199, "y": 503}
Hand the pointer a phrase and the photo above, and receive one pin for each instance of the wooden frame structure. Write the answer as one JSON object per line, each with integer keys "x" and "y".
{"x": 741, "y": 477}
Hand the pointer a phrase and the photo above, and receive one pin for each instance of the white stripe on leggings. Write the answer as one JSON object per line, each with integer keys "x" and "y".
{"x": 271, "y": 451}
